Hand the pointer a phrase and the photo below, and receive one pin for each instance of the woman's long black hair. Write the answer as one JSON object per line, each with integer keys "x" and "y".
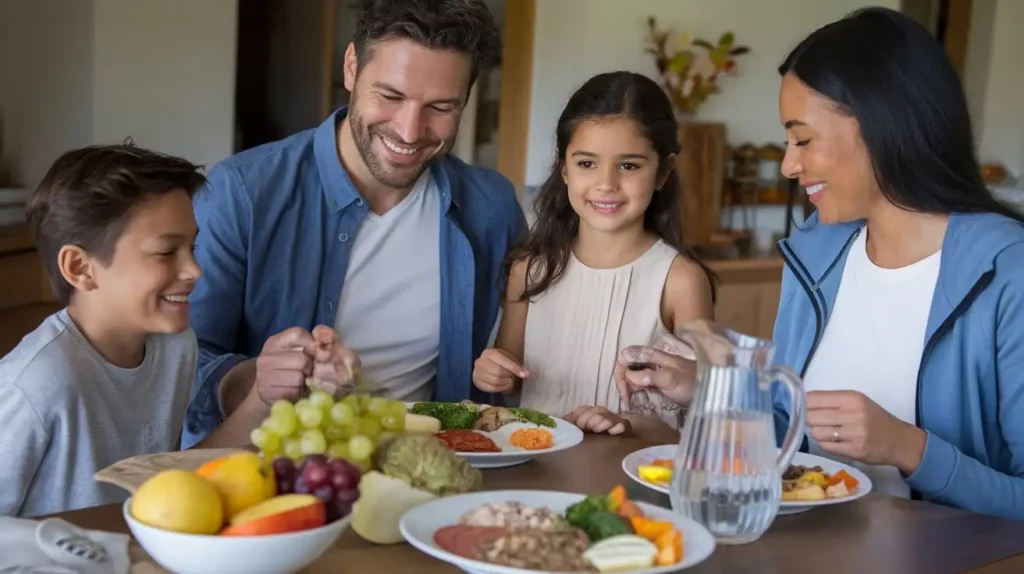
{"x": 614, "y": 94}
{"x": 887, "y": 71}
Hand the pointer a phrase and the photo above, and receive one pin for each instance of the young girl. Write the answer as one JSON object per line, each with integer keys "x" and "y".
{"x": 603, "y": 267}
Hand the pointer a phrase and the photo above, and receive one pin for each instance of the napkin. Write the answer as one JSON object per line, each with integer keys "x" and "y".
{"x": 55, "y": 546}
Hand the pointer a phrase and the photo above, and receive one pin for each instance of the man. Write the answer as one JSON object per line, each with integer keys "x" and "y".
{"x": 364, "y": 225}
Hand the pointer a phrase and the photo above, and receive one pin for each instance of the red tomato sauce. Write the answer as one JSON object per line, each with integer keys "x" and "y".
{"x": 467, "y": 441}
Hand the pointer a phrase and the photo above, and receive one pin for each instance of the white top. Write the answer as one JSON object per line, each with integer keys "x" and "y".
{"x": 575, "y": 329}
{"x": 67, "y": 413}
{"x": 874, "y": 341}
{"x": 390, "y": 306}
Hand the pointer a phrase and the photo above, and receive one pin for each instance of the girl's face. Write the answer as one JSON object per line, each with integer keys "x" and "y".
{"x": 611, "y": 171}
{"x": 826, "y": 153}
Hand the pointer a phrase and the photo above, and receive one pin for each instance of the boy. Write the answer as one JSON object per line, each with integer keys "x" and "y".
{"x": 110, "y": 375}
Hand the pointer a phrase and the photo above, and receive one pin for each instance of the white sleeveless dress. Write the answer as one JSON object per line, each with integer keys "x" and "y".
{"x": 575, "y": 329}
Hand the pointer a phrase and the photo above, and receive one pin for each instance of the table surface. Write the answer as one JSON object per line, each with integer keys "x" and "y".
{"x": 876, "y": 533}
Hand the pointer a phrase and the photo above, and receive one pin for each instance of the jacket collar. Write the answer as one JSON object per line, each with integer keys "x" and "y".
{"x": 337, "y": 184}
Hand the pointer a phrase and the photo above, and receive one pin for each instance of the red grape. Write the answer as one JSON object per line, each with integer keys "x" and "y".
{"x": 316, "y": 475}
{"x": 350, "y": 495}
{"x": 283, "y": 466}
{"x": 325, "y": 494}
{"x": 317, "y": 458}
{"x": 285, "y": 486}
{"x": 342, "y": 466}
{"x": 341, "y": 508}
{"x": 343, "y": 481}
{"x": 301, "y": 486}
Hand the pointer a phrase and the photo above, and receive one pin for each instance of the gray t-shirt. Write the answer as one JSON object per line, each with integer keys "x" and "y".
{"x": 67, "y": 413}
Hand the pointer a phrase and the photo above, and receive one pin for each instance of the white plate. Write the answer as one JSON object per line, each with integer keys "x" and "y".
{"x": 419, "y": 525}
{"x": 564, "y": 436}
{"x": 645, "y": 456}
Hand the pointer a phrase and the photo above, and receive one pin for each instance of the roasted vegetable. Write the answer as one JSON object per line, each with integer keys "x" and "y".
{"x": 535, "y": 417}
{"x": 422, "y": 461}
{"x": 578, "y": 513}
{"x": 452, "y": 415}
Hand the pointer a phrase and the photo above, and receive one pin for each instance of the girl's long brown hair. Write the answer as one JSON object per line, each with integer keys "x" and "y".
{"x": 623, "y": 94}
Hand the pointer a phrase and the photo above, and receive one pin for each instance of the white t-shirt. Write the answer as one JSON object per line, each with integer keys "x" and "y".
{"x": 874, "y": 341}
{"x": 390, "y": 307}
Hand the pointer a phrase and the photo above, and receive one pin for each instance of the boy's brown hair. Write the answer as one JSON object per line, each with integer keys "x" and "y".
{"x": 88, "y": 195}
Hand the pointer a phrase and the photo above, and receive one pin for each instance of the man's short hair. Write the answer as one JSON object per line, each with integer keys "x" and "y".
{"x": 88, "y": 196}
{"x": 465, "y": 26}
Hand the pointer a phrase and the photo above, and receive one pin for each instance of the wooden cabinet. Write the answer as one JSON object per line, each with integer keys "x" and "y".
{"x": 25, "y": 297}
{"x": 748, "y": 294}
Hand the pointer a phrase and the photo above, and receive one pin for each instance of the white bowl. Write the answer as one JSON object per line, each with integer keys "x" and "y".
{"x": 201, "y": 554}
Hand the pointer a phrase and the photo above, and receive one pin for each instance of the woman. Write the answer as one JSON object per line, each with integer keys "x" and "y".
{"x": 903, "y": 296}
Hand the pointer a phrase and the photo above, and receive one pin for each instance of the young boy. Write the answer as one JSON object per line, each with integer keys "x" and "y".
{"x": 110, "y": 375}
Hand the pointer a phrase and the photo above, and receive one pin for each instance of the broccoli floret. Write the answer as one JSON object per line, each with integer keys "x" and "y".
{"x": 604, "y": 524}
{"x": 579, "y": 513}
{"x": 535, "y": 417}
{"x": 451, "y": 415}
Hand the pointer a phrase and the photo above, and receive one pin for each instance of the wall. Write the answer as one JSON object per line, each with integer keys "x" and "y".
{"x": 1001, "y": 126}
{"x": 46, "y": 83}
{"x": 74, "y": 73}
{"x": 164, "y": 74}
{"x": 576, "y": 39}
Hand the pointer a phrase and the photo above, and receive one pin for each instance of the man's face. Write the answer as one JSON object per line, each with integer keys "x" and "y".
{"x": 405, "y": 107}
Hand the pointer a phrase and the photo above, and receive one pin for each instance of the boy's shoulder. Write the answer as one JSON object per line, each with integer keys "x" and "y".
{"x": 40, "y": 365}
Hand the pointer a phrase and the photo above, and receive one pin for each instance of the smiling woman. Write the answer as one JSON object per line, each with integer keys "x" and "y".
{"x": 903, "y": 295}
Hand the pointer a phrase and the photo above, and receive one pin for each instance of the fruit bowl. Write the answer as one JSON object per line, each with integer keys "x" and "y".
{"x": 211, "y": 554}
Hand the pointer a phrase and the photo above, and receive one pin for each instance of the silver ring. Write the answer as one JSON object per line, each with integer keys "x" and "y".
{"x": 835, "y": 433}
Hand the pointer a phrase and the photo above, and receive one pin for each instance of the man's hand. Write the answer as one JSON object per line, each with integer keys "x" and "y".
{"x": 283, "y": 365}
{"x": 334, "y": 365}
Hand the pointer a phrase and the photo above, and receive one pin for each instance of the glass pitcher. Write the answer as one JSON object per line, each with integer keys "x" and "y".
{"x": 728, "y": 469}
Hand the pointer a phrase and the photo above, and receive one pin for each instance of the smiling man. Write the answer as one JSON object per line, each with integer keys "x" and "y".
{"x": 365, "y": 225}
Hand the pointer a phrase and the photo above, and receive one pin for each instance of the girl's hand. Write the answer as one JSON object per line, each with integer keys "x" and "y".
{"x": 598, "y": 420}
{"x": 849, "y": 424}
{"x": 334, "y": 365}
{"x": 496, "y": 371}
{"x": 643, "y": 367}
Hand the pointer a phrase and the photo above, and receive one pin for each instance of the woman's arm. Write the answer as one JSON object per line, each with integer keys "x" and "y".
{"x": 946, "y": 474}
{"x": 687, "y": 295}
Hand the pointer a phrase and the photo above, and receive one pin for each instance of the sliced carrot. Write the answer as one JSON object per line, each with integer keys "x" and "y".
{"x": 844, "y": 477}
{"x": 665, "y": 462}
{"x": 617, "y": 496}
{"x": 629, "y": 509}
{"x": 670, "y": 548}
{"x": 649, "y": 528}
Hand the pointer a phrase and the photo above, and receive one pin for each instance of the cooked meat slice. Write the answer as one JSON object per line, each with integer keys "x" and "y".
{"x": 493, "y": 418}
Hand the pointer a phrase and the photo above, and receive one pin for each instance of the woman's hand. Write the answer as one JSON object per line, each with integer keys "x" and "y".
{"x": 643, "y": 367}
{"x": 849, "y": 424}
{"x": 496, "y": 371}
{"x": 598, "y": 420}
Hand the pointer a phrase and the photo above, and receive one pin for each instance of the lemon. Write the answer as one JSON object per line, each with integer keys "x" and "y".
{"x": 179, "y": 501}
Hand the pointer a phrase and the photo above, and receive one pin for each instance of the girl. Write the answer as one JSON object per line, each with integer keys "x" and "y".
{"x": 603, "y": 267}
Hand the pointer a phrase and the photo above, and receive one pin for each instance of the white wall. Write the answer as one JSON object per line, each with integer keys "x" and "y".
{"x": 84, "y": 71}
{"x": 164, "y": 74}
{"x": 576, "y": 39}
{"x": 1001, "y": 126}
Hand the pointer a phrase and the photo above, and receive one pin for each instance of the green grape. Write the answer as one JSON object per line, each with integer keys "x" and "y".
{"x": 282, "y": 423}
{"x": 302, "y": 404}
{"x": 355, "y": 403}
{"x": 370, "y": 427}
{"x": 342, "y": 414}
{"x": 385, "y": 436}
{"x": 392, "y": 423}
{"x": 336, "y": 433}
{"x": 338, "y": 449}
{"x": 313, "y": 442}
{"x": 292, "y": 448}
{"x": 378, "y": 406}
{"x": 360, "y": 447}
{"x": 265, "y": 440}
{"x": 310, "y": 417}
{"x": 363, "y": 464}
{"x": 397, "y": 409}
{"x": 281, "y": 407}
{"x": 321, "y": 399}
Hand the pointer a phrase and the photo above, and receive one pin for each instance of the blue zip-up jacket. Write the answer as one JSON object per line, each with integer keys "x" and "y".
{"x": 970, "y": 388}
{"x": 276, "y": 227}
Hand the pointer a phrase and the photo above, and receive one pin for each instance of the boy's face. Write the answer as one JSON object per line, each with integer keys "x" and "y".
{"x": 152, "y": 272}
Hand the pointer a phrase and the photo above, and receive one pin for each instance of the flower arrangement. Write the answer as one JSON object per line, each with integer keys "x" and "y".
{"x": 689, "y": 75}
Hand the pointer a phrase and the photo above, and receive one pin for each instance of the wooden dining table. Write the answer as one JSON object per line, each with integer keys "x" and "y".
{"x": 874, "y": 534}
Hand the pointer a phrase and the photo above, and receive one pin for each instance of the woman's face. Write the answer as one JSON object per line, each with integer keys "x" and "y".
{"x": 826, "y": 154}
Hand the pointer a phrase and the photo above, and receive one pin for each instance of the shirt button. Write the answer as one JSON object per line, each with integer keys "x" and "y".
{"x": 343, "y": 237}
{"x": 359, "y": 202}
{"x": 330, "y": 306}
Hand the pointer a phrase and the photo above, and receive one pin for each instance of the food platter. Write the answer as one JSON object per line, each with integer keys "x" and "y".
{"x": 564, "y": 435}
{"x": 650, "y": 456}
{"x": 426, "y": 527}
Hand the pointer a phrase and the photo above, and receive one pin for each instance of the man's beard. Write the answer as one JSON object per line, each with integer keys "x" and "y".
{"x": 393, "y": 178}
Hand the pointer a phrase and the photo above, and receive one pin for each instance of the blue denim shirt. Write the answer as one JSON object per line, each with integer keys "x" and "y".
{"x": 970, "y": 386}
{"x": 276, "y": 226}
